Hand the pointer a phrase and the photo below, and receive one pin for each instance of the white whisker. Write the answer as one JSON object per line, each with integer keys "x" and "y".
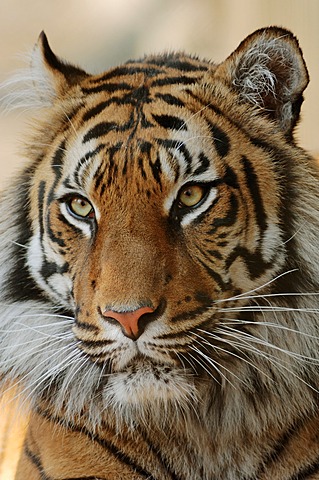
{"x": 238, "y": 296}
{"x": 229, "y": 352}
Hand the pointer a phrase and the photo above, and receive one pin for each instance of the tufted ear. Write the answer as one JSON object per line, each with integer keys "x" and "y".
{"x": 57, "y": 75}
{"x": 268, "y": 70}
{"x": 47, "y": 78}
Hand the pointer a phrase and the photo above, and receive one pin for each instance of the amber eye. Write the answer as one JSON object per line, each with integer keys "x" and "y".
{"x": 80, "y": 207}
{"x": 191, "y": 195}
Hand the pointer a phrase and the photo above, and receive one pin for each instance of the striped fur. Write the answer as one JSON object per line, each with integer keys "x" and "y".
{"x": 174, "y": 186}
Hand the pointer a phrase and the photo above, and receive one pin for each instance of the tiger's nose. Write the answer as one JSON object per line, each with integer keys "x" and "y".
{"x": 130, "y": 321}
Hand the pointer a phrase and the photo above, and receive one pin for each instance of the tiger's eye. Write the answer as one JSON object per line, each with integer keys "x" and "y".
{"x": 81, "y": 207}
{"x": 191, "y": 196}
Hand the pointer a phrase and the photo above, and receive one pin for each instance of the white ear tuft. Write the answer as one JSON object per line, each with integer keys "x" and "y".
{"x": 268, "y": 71}
{"x": 26, "y": 89}
{"x": 37, "y": 86}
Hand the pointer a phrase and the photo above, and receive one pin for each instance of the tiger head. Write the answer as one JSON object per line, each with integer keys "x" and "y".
{"x": 157, "y": 203}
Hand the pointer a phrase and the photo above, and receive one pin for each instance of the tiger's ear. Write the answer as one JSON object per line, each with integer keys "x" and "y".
{"x": 268, "y": 70}
{"x": 54, "y": 75}
{"x": 46, "y": 79}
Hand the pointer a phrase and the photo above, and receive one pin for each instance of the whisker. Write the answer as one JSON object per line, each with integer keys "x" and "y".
{"x": 70, "y": 360}
{"x": 275, "y": 361}
{"x": 263, "y": 308}
{"x": 238, "y": 321}
{"x": 233, "y": 354}
{"x": 238, "y": 296}
{"x": 21, "y": 380}
{"x": 271, "y": 295}
{"x": 195, "y": 114}
{"x": 48, "y": 342}
{"x": 217, "y": 366}
{"x": 198, "y": 362}
{"x": 263, "y": 342}
{"x": 19, "y": 244}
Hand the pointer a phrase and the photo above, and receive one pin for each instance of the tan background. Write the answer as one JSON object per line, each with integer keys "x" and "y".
{"x": 99, "y": 33}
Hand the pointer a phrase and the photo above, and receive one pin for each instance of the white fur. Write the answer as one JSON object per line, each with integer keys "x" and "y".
{"x": 30, "y": 88}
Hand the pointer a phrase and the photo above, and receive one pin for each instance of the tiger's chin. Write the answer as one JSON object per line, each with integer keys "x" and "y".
{"x": 146, "y": 388}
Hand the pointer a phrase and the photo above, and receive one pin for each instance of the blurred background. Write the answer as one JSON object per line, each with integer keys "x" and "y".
{"x": 97, "y": 34}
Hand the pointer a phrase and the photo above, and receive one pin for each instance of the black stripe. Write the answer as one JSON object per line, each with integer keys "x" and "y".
{"x": 86, "y": 326}
{"x": 55, "y": 237}
{"x": 272, "y": 458}
{"x": 107, "y": 87}
{"x": 36, "y": 461}
{"x": 189, "y": 315}
{"x": 230, "y": 178}
{"x": 229, "y": 219}
{"x": 89, "y": 155}
{"x": 57, "y": 160}
{"x": 162, "y": 82}
{"x": 158, "y": 453}
{"x": 204, "y": 164}
{"x": 103, "y": 128}
{"x": 254, "y": 262}
{"x": 156, "y": 168}
{"x": 19, "y": 285}
{"x": 105, "y": 444}
{"x": 95, "y": 343}
{"x": 257, "y": 142}
{"x": 254, "y": 189}
{"x": 307, "y": 472}
{"x": 65, "y": 222}
{"x": 56, "y": 164}
{"x": 221, "y": 140}
{"x": 215, "y": 276}
{"x": 96, "y": 110}
{"x": 215, "y": 254}
{"x": 141, "y": 167}
{"x": 100, "y": 174}
{"x": 41, "y": 192}
{"x": 49, "y": 268}
{"x": 134, "y": 97}
{"x": 129, "y": 69}
{"x": 177, "y": 146}
{"x": 170, "y": 122}
{"x": 198, "y": 220}
{"x": 170, "y": 99}
{"x": 99, "y": 130}
{"x": 279, "y": 447}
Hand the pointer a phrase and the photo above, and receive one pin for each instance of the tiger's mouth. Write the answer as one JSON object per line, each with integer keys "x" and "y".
{"x": 143, "y": 365}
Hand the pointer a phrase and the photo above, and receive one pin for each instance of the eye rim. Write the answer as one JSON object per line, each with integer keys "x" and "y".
{"x": 205, "y": 187}
{"x": 73, "y": 197}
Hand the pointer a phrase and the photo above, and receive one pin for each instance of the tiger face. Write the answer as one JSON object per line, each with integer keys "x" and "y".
{"x": 149, "y": 210}
{"x": 155, "y": 206}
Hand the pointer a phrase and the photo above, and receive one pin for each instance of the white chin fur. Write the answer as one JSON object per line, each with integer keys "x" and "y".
{"x": 146, "y": 383}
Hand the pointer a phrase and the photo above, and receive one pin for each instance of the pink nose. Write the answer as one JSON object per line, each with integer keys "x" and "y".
{"x": 129, "y": 320}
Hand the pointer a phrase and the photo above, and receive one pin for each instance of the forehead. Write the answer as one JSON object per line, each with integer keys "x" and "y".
{"x": 139, "y": 96}
{"x": 140, "y": 117}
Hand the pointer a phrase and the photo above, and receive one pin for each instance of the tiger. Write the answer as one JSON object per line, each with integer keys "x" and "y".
{"x": 159, "y": 268}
